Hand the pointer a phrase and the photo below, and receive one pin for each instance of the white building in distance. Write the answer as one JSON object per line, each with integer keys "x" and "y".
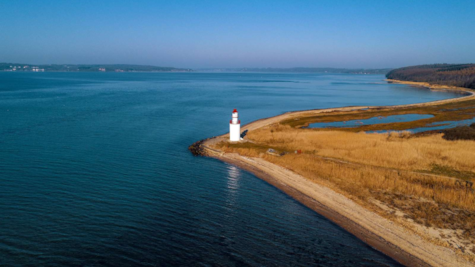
{"x": 235, "y": 127}
{"x": 36, "y": 69}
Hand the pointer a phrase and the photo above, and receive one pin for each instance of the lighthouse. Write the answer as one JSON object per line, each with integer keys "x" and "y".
{"x": 235, "y": 127}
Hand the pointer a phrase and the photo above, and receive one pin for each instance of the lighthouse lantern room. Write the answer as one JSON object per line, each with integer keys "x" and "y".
{"x": 235, "y": 127}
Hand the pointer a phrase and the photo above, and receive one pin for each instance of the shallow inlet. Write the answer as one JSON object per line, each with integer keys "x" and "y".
{"x": 440, "y": 125}
{"x": 371, "y": 121}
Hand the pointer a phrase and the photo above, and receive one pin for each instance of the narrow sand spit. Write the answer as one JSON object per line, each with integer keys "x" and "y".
{"x": 382, "y": 234}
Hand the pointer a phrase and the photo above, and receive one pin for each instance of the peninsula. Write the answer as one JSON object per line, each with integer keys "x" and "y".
{"x": 409, "y": 195}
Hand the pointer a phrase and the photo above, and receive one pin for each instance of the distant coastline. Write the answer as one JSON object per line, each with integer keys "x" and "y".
{"x": 382, "y": 71}
{"x": 456, "y": 75}
{"x": 19, "y": 67}
{"x": 435, "y": 87}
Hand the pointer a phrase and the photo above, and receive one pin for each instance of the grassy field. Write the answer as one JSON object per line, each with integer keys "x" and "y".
{"x": 423, "y": 182}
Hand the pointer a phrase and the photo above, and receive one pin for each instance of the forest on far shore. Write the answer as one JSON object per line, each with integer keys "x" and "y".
{"x": 460, "y": 75}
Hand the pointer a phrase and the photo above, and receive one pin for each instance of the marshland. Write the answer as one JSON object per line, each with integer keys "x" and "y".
{"x": 421, "y": 181}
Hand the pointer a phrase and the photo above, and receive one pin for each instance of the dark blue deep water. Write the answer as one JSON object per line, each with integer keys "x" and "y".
{"x": 95, "y": 171}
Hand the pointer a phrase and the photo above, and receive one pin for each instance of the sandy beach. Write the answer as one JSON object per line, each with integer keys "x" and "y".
{"x": 380, "y": 233}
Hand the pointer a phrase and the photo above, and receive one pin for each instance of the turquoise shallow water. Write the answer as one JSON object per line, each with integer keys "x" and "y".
{"x": 95, "y": 170}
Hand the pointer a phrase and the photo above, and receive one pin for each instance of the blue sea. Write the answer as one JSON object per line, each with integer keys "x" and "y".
{"x": 95, "y": 171}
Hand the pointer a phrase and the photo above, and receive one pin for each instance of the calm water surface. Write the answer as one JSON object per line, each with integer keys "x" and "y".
{"x": 95, "y": 171}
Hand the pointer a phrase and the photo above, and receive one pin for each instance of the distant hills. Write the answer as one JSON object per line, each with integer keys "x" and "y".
{"x": 147, "y": 68}
{"x": 303, "y": 70}
{"x": 461, "y": 75}
{"x": 86, "y": 68}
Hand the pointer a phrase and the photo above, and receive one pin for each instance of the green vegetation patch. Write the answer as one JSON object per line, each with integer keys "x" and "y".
{"x": 447, "y": 171}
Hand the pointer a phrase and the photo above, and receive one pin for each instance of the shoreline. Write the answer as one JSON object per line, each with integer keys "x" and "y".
{"x": 434, "y": 87}
{"x": 382, "y": 234}
{"x": 369, "y": 237}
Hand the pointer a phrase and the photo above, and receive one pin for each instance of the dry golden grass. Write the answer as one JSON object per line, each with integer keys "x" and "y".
{"x": 409, "y": 175}
{"x": 394, "y": 150}
{"x": 377, "y": 165}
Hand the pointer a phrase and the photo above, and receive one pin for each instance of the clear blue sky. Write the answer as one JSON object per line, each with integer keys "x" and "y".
{"x": 202, "y": 34}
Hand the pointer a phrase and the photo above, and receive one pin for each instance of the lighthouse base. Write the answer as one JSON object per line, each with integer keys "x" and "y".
{"x": 234, "y": 132}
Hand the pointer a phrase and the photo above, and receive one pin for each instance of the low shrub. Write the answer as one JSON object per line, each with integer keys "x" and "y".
{"x": 460, "y": 133}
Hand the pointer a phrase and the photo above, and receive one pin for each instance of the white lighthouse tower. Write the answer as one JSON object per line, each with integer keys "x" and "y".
{"x": 235, "y": 127}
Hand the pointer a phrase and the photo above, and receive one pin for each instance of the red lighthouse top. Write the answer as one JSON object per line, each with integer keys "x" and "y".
{"x": 235, "y": 110}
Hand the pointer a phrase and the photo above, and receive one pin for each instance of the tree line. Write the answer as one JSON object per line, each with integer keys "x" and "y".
{"x": 460, "y": 75}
